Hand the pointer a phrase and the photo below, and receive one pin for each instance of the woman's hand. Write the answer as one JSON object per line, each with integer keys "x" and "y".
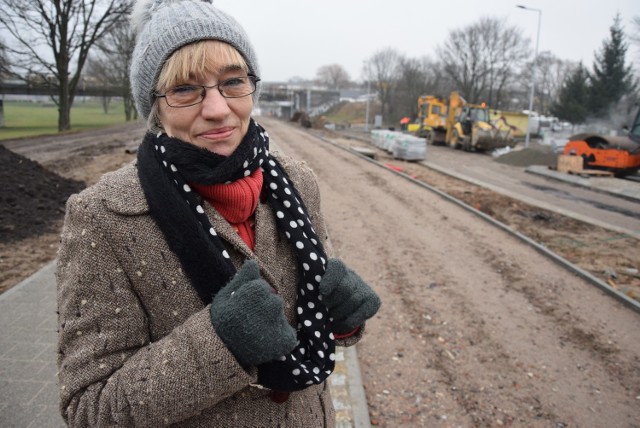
{"x": 349, "y": 299}
{"x": 249, "y": 317}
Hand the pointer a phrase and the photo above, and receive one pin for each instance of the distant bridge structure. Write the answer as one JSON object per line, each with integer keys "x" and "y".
{"x": 279, "y": 99}
{"x": 285, "y": 100}
{"x": 14, "y": 88}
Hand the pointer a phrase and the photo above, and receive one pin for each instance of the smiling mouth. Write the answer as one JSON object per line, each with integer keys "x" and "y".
{"x": 218, "y": 134}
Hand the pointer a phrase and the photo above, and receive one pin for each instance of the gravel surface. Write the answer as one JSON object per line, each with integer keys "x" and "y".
{"x": 476, "y": 328}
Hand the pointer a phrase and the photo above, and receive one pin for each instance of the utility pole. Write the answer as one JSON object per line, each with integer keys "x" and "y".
{"x": 366, "y": 112}
{"x": 533, "y": 73}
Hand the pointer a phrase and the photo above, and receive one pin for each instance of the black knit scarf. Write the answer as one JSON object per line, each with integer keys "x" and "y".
{"x": 166, "y": 165}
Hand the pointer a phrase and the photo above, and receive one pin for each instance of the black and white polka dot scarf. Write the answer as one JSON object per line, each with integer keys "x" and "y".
{"x": 166, "y": 165}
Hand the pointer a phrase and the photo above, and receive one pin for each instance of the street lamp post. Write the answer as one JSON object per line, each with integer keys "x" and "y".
{"x": 366, "y": 113}
{"x": 533, "y": 73}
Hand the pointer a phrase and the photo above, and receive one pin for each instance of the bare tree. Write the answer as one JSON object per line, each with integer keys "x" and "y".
{"x": 96, "y": 75}
{"x": 461, "y": 56}
{"x": 505, "y": 49}
{"x": 334, "y": 76}
{"x": 415, "y": 77}
{"x": 109, "y": 64}
{"x": 482, "y": 59}
{"x": 4, "y": 61}
{"x": 51, "y": 40}
{"x": 551, "y": 74}
{"x": 380, "y": 69}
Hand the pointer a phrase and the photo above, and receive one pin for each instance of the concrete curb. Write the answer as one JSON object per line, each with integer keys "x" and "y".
{"x": 613, "y": 186}
{"x": 542, "y": 170}
{"x": 347, "y": 391}
{"x": 356, "y": 390}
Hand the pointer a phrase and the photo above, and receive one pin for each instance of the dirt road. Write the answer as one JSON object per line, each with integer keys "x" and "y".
{"x": 581, "y": 203}
{"x": 476, "y": 328}
{"x": 58, "y": 147}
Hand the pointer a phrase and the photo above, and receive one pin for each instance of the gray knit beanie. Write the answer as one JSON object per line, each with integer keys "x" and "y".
{"x": 163, "y": 26}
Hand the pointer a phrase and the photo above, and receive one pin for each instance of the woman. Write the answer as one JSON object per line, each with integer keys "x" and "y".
{"x": 195, "y": 288}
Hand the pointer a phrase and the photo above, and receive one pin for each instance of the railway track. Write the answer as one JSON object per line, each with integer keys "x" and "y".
{"x": 628, "y": 296}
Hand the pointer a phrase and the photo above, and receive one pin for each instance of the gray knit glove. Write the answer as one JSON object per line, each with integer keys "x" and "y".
{"x": 249, "y": 318}
{"x": 349, "y": 299}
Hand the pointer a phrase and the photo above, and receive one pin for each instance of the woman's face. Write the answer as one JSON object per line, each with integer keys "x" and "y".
{"x": 217, "y": 124}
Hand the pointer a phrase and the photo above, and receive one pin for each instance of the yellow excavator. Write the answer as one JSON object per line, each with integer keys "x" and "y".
{"x": 432, "y": 114}
{"x": 468, "y": 127}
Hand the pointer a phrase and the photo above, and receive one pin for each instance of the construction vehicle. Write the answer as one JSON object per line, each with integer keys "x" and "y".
{"x": 468, "y": 127}
{"x": 517, "y": 121}
{"x": 432, "y": 111}
{"x": 617, "y": 154}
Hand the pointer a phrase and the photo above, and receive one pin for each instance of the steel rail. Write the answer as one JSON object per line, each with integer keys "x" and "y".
{"x": 623, "y": 298}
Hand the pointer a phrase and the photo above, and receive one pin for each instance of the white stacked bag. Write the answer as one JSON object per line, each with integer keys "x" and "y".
{"x": 384, "y": 139}
{"x": 400, "y": 145}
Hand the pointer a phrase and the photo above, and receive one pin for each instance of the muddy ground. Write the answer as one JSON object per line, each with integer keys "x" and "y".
{"x": 33, "y": 194}
{"x": 611, "y": 256}
{"x": 476, "y": 328}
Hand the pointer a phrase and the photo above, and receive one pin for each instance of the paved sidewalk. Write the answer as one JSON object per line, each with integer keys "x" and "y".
{"x": 614, "y": 186}
{"x": 28, "y": 390}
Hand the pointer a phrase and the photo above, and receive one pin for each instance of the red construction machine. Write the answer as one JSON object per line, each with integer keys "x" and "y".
{"x": 618, "y": 154}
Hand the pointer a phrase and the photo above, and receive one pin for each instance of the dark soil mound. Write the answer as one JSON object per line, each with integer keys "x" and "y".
{"x": 528, "y": 157}
{"x": 32, "y": 198}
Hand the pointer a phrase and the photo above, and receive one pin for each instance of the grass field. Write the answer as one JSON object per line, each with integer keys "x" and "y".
{"x": 353, "y": 113}
{"x": 25, "y": 119}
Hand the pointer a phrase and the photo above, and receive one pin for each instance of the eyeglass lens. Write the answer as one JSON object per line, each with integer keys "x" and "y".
{"x": 187, "y": 95}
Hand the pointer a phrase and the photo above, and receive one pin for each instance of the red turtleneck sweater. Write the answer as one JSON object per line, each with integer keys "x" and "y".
{"x": 236, "y": 202}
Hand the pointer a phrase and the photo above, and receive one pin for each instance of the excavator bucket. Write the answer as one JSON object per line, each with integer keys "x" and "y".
{"x": 492, "y": 138}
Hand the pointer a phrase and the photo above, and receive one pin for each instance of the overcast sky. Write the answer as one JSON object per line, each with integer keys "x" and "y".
{"x": 296, "y": 37}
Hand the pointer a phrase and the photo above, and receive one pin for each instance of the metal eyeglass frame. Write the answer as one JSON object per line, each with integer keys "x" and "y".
{"x": 253, "y": 78}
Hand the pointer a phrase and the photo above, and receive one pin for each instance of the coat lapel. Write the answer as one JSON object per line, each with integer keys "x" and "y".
{"x": 264, "y": 239}
{"x": 135, "y": 203}
{"x": 226, "y": 231}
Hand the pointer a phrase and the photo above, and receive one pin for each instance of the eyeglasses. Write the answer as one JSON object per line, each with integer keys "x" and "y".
{"x": 190, "y": 95}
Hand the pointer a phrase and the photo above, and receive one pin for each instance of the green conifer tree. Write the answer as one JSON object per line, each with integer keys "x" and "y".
{"x": 573, "y": 99}
{"x": 611, "y": 78}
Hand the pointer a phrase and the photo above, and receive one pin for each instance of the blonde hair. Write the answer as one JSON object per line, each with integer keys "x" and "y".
{"x": 194, "y": 61}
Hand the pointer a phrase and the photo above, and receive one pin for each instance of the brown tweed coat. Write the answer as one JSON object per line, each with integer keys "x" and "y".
{"x": 136, "y": 344}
